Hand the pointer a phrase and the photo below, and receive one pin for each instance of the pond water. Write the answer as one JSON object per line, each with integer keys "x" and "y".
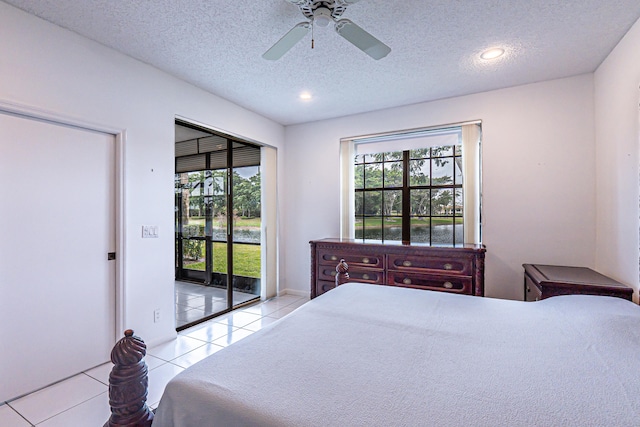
{"x": 240, "y": 235}
{"x": 440, "y": 234}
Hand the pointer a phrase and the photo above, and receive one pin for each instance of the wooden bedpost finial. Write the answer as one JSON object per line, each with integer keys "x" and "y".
{"x": 128, "y": 384}
{"x": 342, "y": 273}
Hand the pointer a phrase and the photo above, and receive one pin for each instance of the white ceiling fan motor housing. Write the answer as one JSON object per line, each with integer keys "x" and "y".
{"x": 322, "y": 17}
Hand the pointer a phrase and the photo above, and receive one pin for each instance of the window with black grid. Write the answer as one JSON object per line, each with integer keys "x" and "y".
{"x": 414, "y": 195}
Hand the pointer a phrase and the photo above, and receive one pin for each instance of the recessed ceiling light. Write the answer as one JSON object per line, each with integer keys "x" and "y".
{"x": 493, "y": 53}
{"x": 305, "y": 96}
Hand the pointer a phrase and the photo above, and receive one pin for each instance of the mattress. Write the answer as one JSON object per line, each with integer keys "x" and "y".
{"x": 364, "y": 355}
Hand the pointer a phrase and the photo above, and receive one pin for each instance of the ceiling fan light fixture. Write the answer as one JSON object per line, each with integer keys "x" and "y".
{"x": 492, "y": 53}
{"x": 322, "y": 17}
{"x": 305, "y": 96}
{"x": 322, "y": 13}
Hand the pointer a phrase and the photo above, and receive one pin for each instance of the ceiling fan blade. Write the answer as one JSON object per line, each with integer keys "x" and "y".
{"x": 289, "y": 40}
{"x": 362, "y": 39}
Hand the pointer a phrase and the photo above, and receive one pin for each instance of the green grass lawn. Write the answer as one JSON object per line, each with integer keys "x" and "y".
{"x": 248, "y": 222}
{"x": 246, "y": 260}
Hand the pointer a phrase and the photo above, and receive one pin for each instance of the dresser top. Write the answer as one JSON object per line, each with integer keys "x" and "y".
{"x": 471, "y": 247}
{"x": 569, "y": 275}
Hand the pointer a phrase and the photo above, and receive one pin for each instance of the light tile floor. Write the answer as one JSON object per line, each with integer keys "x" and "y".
{"x": 195, "y": 301}
{"x": 83, "y": 400}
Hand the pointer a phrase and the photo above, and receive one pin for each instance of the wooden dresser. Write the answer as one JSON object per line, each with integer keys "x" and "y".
{"x": 544, "y": 281}
{"x": 457, "y": 269}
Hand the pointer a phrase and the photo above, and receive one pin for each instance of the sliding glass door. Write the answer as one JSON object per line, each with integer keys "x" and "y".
{"x": 246, "y": 230}
{"x": 217, "y": 188}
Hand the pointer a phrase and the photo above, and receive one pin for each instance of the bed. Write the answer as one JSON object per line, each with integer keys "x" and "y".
{"x": 364, "y": 355}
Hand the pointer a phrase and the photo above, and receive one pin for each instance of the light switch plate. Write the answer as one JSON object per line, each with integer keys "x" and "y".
{"x": 149, "y": 231}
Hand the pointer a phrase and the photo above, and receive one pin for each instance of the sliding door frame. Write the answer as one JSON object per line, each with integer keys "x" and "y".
{"x": 230, "y": 167}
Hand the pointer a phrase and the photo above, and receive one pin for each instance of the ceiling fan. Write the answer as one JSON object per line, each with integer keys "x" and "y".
{"x": 322, "y": 13}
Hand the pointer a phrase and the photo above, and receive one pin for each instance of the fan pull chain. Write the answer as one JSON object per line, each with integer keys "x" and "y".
{"x": 312, "y": 34}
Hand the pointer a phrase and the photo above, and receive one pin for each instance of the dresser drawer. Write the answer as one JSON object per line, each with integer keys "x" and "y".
{"x": 532, "y": 292}
{"x": 363, "y": 275}
{"x": 457, "y": 269}
{"x": 461, "y": 285}
{"x": 329, "y": 257}
{"x": 463, "y": 266}
{"x": 323, "y": 286}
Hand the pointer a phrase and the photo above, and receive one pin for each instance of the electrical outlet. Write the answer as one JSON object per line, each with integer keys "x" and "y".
{"x": 156, "y": 315}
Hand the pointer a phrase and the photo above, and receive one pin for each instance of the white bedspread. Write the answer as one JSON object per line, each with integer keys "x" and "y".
{"x": 364, "y": 355}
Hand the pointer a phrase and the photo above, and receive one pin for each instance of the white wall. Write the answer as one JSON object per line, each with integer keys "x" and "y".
{"x": 48, "y": 68}
{"x": 617, "y": 120}
{"x": 538, "y": 177}
{"x": 539, "y": 156}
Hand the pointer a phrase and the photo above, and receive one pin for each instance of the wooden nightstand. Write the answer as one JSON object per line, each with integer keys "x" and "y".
{"x": 544, "y": 281}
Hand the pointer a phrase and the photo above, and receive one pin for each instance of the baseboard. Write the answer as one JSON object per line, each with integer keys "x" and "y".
{"x": 295, "y": 292}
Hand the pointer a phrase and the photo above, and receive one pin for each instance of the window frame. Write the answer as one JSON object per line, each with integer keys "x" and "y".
{"x": 471, "y": 135}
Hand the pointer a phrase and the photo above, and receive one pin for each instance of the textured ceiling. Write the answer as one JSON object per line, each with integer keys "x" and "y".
{"x": 217, "y": 45}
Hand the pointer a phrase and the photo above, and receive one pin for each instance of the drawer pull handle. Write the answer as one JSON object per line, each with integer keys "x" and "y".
{"x": 407, "y": 281}
{"x": 365, "y": 260}
{"x": 365, "y": 276}
{"x": 448, "y": 285}
{"x": 406, "y": 263}
{"x": 334, "y": 258}
{"x": 448, "y": 266}
{"x": 333, "y": 273}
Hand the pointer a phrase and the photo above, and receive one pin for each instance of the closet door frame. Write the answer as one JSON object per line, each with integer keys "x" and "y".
{"x": 119, "y": 134}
